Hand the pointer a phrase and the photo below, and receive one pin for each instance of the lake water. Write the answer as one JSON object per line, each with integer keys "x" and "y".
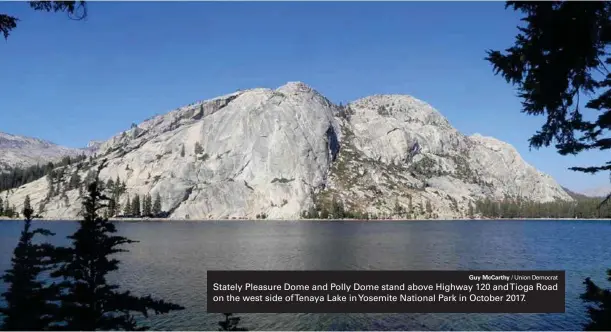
{"x": 172, "y": 258}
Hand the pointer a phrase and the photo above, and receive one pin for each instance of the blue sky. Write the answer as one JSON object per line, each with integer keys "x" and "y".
{"x": 75, "y": 81}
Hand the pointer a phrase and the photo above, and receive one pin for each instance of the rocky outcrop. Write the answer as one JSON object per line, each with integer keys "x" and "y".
{"x": 280, "y": 152}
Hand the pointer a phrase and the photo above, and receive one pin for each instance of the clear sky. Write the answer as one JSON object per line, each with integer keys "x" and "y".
{"x": 74, "y": 81}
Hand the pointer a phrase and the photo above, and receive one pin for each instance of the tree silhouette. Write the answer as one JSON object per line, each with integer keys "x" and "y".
{"x": 230, "y": 323}
{"x": 556, "y": 59}
{"x": 147, "y": 205}
{"x": 197, "y": 149}
{"x": 157, "y": 205}
{"x": 600, "y": 317}
{"x": 88, "y": 302}
{"x": 553, "y": 63}
{"x": 29, "y": 303}
{"x": 136, "y": 206}
{"x": 128, "y": 207}
{"x": 77, "y": 10}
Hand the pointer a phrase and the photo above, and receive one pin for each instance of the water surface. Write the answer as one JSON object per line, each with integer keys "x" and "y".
{"x": 171, "y": 260}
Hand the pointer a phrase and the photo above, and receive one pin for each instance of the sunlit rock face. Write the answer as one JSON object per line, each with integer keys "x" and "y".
{"x": 279, "y": 152}
{"x": 21, "y": 151}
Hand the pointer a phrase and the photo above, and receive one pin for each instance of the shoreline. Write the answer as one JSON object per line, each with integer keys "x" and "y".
{"x": 2, "y": 218}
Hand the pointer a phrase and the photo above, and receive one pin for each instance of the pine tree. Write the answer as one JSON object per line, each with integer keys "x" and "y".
{"x": 110, "y": 185}
{"x": 157, "y": 205}
{"x": 128, "y": 207}
{"x": 117, "y": 205}
{"x": 600, "y": 313}
{"x": 410, "y": 205}
{"x": 552, "y": 75}
{"x": 75, "y": 181}
{"x": 147, "y": 206}
{"x": 27, "y": 208}
{"x": 29, "y": 302}
{"x": 230, "y": 323}
{"x": 398, "y": 209}
{"x": 88, "y": 301}
{"x": 429, "y": 209}
{"x": 198, "y": 148}
{"x": 471, "y": 212}
{"x": 112, "y": 206}
{"x": 337, "y": 208}
{"x": 136, "y": 206}
{"x": 119, "y": 185}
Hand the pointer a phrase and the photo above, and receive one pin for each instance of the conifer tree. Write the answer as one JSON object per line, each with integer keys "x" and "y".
{"x": 128, "y": 207}
{"x": 398, "y": 208}
{"x": 197, "y": 149}
{"x": 110, "y": 185}
{"x": 337, "y": 208}
{"x": 89, "y": 302}
{"x": 112, "y": 207}
{"x": 29, "y": 302}
{"x": 7, "y": 208}
{"x": 230, "y": 323}
{"x": 75, "y": 180}
{"x": 429, "y": 208}
{"x": 136, "y": 206}
{"x": 148, "y": 205}
{"x": 471, "y": 211}
{"x": 157, "y": 205}
{"x": 600, "y": 313}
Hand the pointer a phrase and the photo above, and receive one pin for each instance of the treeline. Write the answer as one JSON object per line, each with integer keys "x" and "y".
{"x": 76, "y": 294}
{"x": 65, "y": 287}
{"x": 337, "y": 210}
{"x": 7, "y": 210}
{"x": 143, "y": 206}
{"x": 18, "y": 176}
{"x": 587, "y": 208}
{"x": 61, "y": 180}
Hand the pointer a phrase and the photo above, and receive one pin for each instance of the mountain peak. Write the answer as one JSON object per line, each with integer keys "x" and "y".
{"x": 280, "y": 152}
{"x": 295, "y": 87}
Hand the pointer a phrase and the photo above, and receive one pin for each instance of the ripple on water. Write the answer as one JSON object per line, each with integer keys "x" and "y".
{"x": 172, "y": 258}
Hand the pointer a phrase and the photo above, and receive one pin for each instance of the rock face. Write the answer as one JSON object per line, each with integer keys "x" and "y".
{"x": 20, "y": 151}
{"x": 281, "y": 152}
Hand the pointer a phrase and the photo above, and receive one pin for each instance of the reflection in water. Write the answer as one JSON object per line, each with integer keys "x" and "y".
{"x": 172, "y": 259}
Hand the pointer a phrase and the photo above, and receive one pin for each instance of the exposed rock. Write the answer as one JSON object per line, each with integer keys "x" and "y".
{"x": 279, "y": 152}
{"x": 20, "y": 151}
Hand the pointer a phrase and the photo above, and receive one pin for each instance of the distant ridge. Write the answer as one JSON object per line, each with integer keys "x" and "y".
{"x": 601, "y": 191}
{"x": 22, "y": 151}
